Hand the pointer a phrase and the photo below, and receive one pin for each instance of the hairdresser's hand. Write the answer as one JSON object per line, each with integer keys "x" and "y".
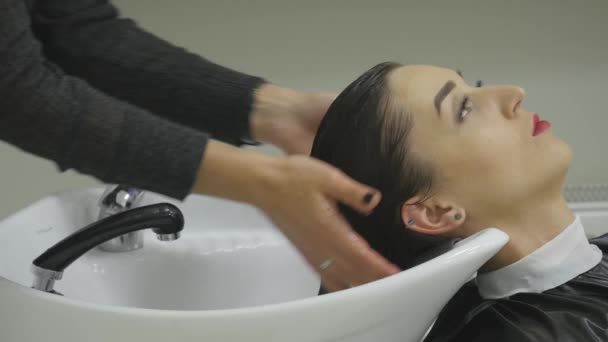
{"x": 300, "y": 195}
{"x": 301, "y": 199}
{"x": 287, "y": 118}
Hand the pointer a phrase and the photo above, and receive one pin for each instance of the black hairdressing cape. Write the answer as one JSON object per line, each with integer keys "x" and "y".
{"x": 573, "y": 312}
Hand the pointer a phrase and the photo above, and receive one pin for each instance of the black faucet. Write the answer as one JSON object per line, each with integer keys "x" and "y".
{"x": 165, "y": 219}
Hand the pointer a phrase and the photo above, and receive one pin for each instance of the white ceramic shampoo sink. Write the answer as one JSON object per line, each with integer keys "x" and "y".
{"x": 231, "y": 277}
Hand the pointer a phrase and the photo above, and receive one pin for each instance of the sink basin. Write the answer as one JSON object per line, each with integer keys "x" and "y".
{"x": 231, "y": 277}
{"x": 223, "y": 246}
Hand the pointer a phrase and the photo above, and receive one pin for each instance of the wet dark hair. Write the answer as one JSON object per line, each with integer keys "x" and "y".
{"x": 365, "y": 134}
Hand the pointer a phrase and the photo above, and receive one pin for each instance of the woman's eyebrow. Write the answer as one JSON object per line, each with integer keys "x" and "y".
{"x": 443, "y": 92}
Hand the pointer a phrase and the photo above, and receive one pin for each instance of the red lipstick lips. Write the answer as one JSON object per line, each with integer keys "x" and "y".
{"x": 539, "y": 125}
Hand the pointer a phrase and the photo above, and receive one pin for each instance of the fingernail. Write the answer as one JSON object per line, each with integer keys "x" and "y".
{"x": 367, "y": 199}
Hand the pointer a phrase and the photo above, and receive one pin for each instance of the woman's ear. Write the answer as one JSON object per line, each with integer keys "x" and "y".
{"x": 431, "y": 217}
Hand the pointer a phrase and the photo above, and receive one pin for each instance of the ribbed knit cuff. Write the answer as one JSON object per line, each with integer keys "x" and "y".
{"x": 158, "y": 155}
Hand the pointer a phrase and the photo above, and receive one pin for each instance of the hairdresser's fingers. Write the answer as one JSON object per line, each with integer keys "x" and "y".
{"x": 331, "y": 284}
{"x": 337, "y": 277}
{"x": 301, "y": 199}
{"x": 363, "y": 264}
{"x": 345, "y": 275}
{"x": 344, "y": 189}
{"x": 374, "y": 262}
{"x": 354, "y": 261}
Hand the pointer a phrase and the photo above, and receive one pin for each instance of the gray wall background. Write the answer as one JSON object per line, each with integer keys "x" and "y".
{"x": 556, "y": 50}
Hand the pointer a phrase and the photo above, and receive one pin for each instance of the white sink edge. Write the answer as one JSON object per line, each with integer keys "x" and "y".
{"x": 492, "y": 236}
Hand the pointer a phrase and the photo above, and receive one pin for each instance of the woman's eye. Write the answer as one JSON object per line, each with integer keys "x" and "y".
{"x": 465, "y": 109}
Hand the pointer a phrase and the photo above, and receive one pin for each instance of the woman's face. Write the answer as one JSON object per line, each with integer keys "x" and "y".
{"x": 480, "y": 140}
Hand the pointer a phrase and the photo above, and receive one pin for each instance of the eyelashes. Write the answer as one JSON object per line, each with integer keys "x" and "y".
{"x": 478, "y": 84}
{"x": 466, "y": 106}
{"x": 465, "y": 109}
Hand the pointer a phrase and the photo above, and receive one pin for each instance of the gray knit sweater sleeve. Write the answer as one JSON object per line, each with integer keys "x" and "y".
{"x": 60, "y": 117}
{"x": 88, "y": 39}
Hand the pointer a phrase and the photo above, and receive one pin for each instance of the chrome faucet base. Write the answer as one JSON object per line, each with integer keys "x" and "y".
{"x": 124, "y": 243}
{"x": 114, "y": 200}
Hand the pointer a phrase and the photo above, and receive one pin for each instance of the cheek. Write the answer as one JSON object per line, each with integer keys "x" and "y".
{"x": 477, "y": 159}
{"x": 483, "y": 163}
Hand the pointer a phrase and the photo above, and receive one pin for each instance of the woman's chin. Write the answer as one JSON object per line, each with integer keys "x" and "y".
{"x": 560, "y": 165}
{"x": 566, "y": 156}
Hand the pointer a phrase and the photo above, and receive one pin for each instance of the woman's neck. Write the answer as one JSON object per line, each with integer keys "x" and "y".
{"x": 530, "y": 229}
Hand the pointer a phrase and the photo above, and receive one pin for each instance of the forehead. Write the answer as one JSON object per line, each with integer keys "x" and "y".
{"x": 416, "y": 85}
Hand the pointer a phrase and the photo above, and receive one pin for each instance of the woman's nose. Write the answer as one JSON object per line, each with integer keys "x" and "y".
{"x": 509, "y": 100}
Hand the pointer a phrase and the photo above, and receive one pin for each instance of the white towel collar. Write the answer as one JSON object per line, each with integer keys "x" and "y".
{"x": 566, "y": 256}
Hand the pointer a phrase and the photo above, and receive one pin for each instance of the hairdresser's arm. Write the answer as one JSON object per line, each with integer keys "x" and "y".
{"x": 287, "y": 118}
{"x": 300, "y": 195}
{"x": 62, "y": 118}
{"x": 88, "y": 39}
